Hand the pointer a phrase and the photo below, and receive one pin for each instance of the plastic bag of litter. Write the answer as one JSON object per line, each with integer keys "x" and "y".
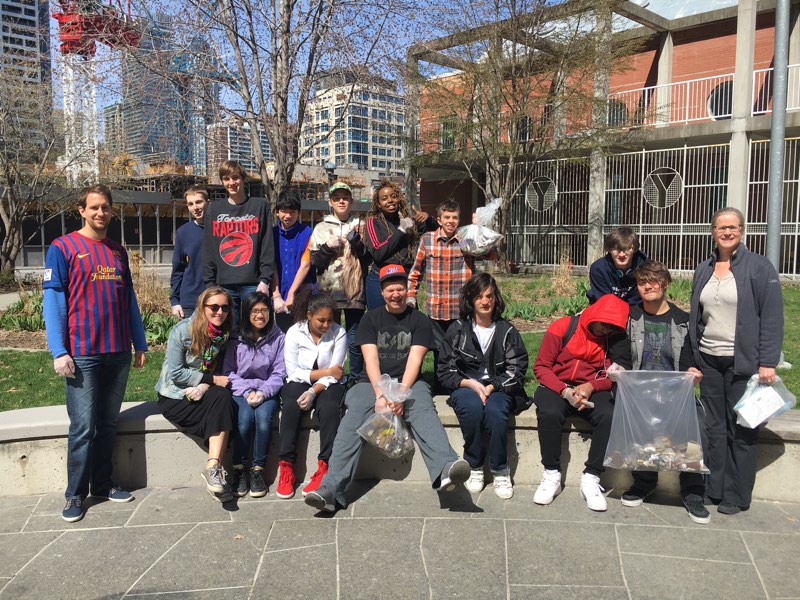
{"x": 478, "y": 239}
{"x": 761, "y": 401}
{"x": 655, "y": 425}
{"x": 386, "y": 430}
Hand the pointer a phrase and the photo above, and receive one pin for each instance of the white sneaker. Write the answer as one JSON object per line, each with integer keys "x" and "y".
{"x": 503, "y": 487}
{"x": 549, "y": 487}
{"x": 593, "y": 493}
{"x": 475, "y": 482}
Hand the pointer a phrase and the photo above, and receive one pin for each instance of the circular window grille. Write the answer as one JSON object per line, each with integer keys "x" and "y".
{"x": 541, "y": 193}
{"x": 663, "y": 187}
{"x": 720, "y": 101}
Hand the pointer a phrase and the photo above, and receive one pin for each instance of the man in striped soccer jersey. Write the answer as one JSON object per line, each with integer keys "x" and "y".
{"x": 91, "y": 316}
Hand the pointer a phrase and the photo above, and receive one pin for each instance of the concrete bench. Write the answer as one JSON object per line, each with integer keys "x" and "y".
{"x": 151, "y": 452}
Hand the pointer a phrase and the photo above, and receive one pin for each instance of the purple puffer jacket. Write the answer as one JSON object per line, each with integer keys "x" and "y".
{"x": 259, "y": 368}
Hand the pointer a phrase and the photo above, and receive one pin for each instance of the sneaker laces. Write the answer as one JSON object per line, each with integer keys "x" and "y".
{"x": 592, "y": 487}
{"x": 218, "y": 474}
{"x": 76, "y": 502}
{"x": 286, "y": 476}
{"x": 502, "y": 481}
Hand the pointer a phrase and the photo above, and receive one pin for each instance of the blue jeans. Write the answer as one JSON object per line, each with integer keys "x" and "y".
{"x": 246, "y": 417}
{"x": 352, "y": 318}
{"x": 474, "y": 418}
{"x": 237, "y": 292}
{"x": 372, "y": 288}
{"x": 94, "y": 397}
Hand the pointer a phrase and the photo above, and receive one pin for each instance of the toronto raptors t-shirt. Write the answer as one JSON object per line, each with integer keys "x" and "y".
{"x": 237, "y": 243}
{"x": 394, "y": 335}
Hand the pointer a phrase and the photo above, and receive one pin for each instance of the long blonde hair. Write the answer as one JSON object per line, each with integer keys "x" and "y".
{"x": 198, "y": 327}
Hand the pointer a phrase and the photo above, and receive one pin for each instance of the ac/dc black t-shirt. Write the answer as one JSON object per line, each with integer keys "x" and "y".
{"x": 394, "y": 335}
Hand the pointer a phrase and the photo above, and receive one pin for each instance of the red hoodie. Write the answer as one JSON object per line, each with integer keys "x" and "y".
{"x": 584, "y": 358}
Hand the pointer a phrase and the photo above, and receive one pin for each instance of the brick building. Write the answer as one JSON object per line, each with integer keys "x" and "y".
{"x": 698, "y": 95}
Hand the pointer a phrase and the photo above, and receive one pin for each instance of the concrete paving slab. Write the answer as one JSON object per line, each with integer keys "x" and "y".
{"x": 310, "y": 543}
{"x": 413, "y": 499}
{"x": 390, "y": 548}
{"x": 260, "y": 509}
{"x": 562, "y": 553}
{"x": 237, "y": 593}
{"x": 92, "y": 520}
{"x": 180, "y": 505}
{"x": 17, "y": 549}
{"x": 210, "y": 556}
{"x": 683, "y": 543}
{"x": 762, "y": 516}
{"x": 564, "y": 592}
{"x": 52, "y": 504}
{"x": 13, "y": 520}
{"x": 465, "y": 558}
{"x": 19, "y": 501}
{"x": 80, "y": 564}
{"x": 775, "y": 557}
{"x": 656, "y": 578}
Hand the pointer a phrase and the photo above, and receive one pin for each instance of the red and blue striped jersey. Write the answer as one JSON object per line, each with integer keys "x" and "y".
{"x": 96, "y": 280}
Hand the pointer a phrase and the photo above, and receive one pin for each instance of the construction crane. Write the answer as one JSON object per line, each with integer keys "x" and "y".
{"x": 82, "y": 24}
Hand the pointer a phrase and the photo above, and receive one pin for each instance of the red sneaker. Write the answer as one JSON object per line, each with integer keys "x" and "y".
{"x": 285, "y": 487}
{"x": 316, "y": 478}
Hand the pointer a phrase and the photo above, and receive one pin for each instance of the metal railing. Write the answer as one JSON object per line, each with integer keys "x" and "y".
{"x": 762, "y": 90}
{"x": 704, "y": 99}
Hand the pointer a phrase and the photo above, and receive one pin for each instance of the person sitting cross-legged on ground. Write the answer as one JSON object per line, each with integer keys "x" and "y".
{"x": 316, "y": 348}
{"x": 394, "y": 339}
{"x": 192, "y": 395}
{"x": 659, "y": 341}
{"x": 571, "y": 368}
{"x": 482, "y": 366}
{"x": 254, "y": 365}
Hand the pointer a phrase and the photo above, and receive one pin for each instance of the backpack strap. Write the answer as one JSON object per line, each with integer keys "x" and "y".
{"x": 573, "y": 326}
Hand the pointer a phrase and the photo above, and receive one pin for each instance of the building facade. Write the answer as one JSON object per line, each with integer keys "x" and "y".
{"x": 354, "y": 125}
{"x": 231, "y": 140}
{"x": 697, "y": 99}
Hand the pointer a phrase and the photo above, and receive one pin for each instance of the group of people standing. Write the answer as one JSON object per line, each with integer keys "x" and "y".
{"x": 270, "y": 315}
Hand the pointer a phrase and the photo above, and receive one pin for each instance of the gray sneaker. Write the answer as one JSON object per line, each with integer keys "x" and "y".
{"x": 321, "y": 499}
{"x": 454, "y": 474}
{"x": 215, "y": 478}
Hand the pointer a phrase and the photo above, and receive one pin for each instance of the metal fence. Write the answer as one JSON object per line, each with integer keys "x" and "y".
{"x": 667, "y": 196}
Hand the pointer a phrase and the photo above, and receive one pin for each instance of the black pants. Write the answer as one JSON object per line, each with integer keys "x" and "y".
{"x": 329, "y": 412}
{"x": 552, "y": 410}
{"x": 732, "y": 455}
{"x": 440, "y": 327}
{"x": 691, "y": 483}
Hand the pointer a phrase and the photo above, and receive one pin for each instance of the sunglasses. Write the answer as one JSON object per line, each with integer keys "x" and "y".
{"x": 215, "y": 308}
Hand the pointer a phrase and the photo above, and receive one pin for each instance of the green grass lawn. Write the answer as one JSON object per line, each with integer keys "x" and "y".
{"x": 27, "y": 379}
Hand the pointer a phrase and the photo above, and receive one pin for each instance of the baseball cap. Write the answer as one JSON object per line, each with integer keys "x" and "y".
{"x": 340, "y": 186}
{"x": 390, "y": 272}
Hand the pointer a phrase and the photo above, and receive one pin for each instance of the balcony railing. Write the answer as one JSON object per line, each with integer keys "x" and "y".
{"x": 763, "y": 90}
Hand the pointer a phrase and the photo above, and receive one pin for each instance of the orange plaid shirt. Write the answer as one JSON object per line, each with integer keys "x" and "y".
{"x": 446, "y": 270}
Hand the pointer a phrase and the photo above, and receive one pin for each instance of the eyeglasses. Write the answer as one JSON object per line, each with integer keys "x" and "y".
{"x": 215, "y": 308}
{"x": 622, "y": 250}
{"x": 259, "y": 311}
{"x": 727, "y": 228}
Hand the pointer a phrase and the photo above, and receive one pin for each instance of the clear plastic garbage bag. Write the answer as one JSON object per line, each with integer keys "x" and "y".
{"x": 478, "y": 239}
{"x": 761, "y": 402}
{"x": 655, "y": 426}
{"x": 385, "y": 430}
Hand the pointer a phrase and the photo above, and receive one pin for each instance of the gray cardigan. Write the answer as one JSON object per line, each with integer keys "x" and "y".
{"x": 758, "y": 336}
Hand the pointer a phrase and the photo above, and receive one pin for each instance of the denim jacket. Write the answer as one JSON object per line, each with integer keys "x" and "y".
{"x": 181, "y": 369}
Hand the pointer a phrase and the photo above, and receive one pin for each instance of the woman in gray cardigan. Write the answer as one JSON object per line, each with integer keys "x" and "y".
{"x": 736, "y": 330}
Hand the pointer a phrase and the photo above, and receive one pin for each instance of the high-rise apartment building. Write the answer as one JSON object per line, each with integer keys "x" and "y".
{"x": 231, "y": 140}
{"x": 25, "y": 57}
{"x": 359, "y": 125}
{"x": 167, "y": 99}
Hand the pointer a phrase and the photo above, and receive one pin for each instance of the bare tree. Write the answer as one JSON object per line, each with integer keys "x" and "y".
{"x": 520, "y": 88}
{"x": 270, "y": 54}
{"x": 32, "y": 179}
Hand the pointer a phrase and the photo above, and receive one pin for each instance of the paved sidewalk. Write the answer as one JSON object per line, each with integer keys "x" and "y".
{"x": 398, "y": 540}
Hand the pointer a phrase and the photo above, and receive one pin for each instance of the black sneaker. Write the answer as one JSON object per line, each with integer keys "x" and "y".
{"x": 456, "y": 473}
{"x": 258, "y": 488}
{"x": 636, "y": 495}
{"x": 728, "y": 509}
{"x": 696, "y": 508}
{"x": 238, "y": 481}
{"x": 115, "y": 494}
{"x": 73, "y": 511}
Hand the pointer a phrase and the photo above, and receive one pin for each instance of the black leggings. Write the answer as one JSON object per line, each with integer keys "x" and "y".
{"x": 328, "y": 406}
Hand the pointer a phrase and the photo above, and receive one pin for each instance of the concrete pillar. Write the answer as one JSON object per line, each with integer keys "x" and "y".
{"x": 738, "y": 169}
{"x": 663, "y": 95}
{"x": 597, "y": 160}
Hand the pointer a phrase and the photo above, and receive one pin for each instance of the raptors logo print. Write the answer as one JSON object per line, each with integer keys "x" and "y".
{"x": 236, "y": 249}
